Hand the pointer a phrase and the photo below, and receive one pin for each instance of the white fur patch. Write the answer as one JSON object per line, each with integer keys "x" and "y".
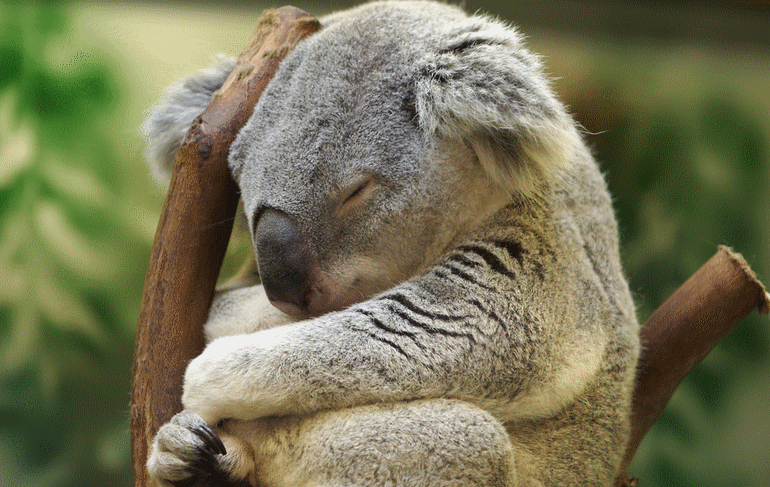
{"x": 581, "y": 365}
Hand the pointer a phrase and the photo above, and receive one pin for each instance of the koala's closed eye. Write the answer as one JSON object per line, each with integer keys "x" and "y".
{"x": 355, "y": 193}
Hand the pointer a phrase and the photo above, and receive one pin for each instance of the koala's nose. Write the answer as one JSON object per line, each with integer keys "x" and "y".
{"x": 284, "y": 262}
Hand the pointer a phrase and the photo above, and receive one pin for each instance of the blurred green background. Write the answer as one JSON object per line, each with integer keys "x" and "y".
{"x": 676, "y": 101}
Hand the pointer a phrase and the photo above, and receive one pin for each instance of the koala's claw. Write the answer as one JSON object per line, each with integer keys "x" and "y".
{"x": 185, "y": 447}
{"x": 212, "y": 441}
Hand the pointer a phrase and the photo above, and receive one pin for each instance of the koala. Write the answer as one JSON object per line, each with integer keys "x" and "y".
{"x": 440, "y": 299}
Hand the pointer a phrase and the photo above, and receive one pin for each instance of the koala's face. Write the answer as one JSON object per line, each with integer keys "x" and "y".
{"x": 344, "y": 194}
{"x": 351, "y": 183}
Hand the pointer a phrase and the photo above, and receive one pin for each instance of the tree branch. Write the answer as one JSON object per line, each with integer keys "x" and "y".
{"x": 193, "y": 232}
{"x": 683, "y": 330}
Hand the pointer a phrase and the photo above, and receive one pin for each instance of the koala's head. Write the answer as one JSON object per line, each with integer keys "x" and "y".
{"x": 383, "y": 140}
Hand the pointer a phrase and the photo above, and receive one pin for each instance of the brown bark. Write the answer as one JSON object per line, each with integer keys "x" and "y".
{"x": 683, "y": 330}
{"x": 193, "y": 232}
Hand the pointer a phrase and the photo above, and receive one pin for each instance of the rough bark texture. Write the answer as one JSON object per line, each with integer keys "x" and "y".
{"x": 193, "y": 232}
{"x": 683, "y": 330}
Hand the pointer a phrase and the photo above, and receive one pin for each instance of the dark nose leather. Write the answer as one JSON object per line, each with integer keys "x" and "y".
{"x": 284, "y": 262}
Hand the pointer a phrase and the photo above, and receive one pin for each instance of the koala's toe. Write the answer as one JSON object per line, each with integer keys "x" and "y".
{"x": 168, "y": 468}
{"x": 187, "y": 419}
{"x": 208, "y": 442}
{"x": 184, "y": 448}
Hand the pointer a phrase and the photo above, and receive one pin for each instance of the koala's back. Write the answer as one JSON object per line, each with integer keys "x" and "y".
{"x": 598, "y": 419}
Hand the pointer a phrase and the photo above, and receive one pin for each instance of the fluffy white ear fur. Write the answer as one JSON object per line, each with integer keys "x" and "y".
{"x": 170, "y": 119}
{"x": 484, "y": 88}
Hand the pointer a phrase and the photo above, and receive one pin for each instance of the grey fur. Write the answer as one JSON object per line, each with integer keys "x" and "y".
{"x": 494, "y": 339}
{"x": 170, "y": 119}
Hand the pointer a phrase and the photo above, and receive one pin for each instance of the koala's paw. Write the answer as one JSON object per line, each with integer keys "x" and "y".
{"x": 185, "y": 449}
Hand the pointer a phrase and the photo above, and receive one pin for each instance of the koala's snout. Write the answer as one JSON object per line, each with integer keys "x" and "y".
{"x": 290, "y": 273}
{"x": 286, "y": 265}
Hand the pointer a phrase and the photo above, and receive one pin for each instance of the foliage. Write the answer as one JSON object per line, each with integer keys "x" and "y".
{"x": 70, "y": 256}
{"x": 686, "y": 180}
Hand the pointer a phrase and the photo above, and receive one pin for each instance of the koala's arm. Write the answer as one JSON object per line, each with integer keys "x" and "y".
{"x": 446, "y": 333}
{"x": 242, "y": 310}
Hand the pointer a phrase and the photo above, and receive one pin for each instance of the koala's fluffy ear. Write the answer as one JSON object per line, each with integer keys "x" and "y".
{"x": 483, "y": 88}
{"x": 170, "y": 118}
